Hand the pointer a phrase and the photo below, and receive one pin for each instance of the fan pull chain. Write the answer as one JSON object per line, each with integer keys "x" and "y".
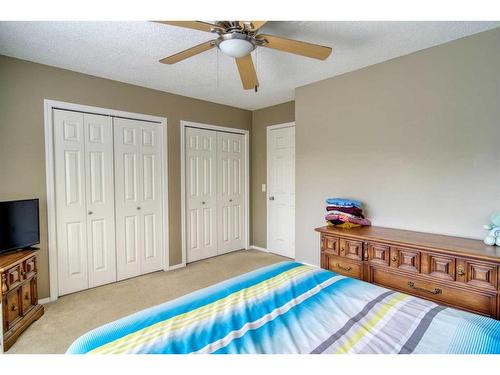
{"x": 217, "y": 73}
{"x": 256, "y": 69}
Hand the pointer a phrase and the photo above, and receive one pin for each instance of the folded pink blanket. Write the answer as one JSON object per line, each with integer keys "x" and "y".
{"x": 349, "y": 219}
{"x": 348, "y": 210}
{"x": 335, "y": 212}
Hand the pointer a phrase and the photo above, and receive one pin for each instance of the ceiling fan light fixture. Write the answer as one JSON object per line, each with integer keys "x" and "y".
{"x": 238, "y": 39}
{"x": 235, "y": 44}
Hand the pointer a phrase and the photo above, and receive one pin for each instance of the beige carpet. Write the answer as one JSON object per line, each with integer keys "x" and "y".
{"x": 75, "y": 314}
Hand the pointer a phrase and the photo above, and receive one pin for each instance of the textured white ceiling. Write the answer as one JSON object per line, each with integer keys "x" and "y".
{"x": 129, "y": 52}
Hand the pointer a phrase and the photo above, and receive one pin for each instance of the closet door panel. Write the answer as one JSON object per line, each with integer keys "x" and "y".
{"x": 128, "y": 194}
{"x": 152, "y": 203}
{"x": 139, "y": 199}
{"x": 131, "y": 238}
{"x": 100, "y": 199}
{"x": 231, "y": 197}
{"x": 71, "y": 215}
{"x": 201, "y": 197}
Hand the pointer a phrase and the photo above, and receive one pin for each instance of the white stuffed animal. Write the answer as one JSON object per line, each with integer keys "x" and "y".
{"x": 493, "y": 237}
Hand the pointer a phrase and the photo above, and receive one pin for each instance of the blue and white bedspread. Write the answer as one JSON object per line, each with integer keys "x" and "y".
{"x": 293, "y": 308}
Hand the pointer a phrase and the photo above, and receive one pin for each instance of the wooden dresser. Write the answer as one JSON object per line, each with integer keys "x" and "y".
{"x": 20, "y": 308}
{"x": 458, "y": 272}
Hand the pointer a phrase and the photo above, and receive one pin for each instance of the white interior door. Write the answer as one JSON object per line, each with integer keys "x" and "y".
{"x": 138, "y": 181}
{"x": 100, "y": 198}
{"x": 281, "y": 191}
{"x": 71, "y": 212}
{"x": 201, "y": 193}
{"x": 230, "y": 191}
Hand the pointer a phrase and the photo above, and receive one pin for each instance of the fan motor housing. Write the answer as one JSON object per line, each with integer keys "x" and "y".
{"x": 235, "y": 35}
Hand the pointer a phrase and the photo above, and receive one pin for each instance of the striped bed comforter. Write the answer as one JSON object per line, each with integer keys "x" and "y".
{"x": 294, "y": 308}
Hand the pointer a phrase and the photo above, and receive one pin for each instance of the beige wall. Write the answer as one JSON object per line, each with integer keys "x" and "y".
{"x": 416, "y": 138}
{"x": 261, "y": 119}
{"x": 24, "y": 86}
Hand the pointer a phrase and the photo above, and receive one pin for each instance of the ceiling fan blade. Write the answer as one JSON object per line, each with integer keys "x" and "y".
{"x": 197, "y": 25}
{"x": 257, "y": 24}
{"x": 188, "y": 52}
{"x": 294, "y": 46}
{"x": 247, "y": 72}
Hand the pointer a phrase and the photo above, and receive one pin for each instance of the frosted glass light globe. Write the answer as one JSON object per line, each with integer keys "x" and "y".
{"x": 236, "y": 47}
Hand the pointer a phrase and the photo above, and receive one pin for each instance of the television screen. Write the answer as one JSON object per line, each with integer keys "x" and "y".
{"x": 19, "y": 226}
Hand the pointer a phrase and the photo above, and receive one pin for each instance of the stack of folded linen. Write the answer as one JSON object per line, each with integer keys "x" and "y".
{"x": 345, "y": 213}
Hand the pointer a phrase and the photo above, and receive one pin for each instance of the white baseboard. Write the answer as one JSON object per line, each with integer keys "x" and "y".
{"x": 308, "y": 264}
{"x": 253, "y": 247}
{"x": 176, "y": 266}
{"x": 43, "y": 301}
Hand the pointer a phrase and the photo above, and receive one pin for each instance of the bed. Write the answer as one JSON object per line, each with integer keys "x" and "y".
{"x": 292, "y": 308}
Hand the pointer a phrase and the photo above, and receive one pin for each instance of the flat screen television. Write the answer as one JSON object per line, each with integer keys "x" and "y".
{"x": 19, "y": 224}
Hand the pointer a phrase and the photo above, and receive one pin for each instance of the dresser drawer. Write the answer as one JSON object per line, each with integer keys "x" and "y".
{"x": 344, "y": 266}
{"x": 28, "y": 300}
{"x": 351, "y": 249}
{"x": 405, "y": 259}
{"x": 29, "y": 267}
{"x": 440, "y": 266}
{"x": 477, "y": 274}
{"x": 379, "y": 253}
{"x": 12, "y": 308}
{"x": 330, "y": 244}
{"x": 482, "y": 303}
{"x": 14, "y": 277}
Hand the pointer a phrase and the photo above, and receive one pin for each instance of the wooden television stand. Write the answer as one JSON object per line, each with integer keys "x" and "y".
{"x": 20, "y": 308}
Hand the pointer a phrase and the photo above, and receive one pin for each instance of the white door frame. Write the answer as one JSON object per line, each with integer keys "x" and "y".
{"x": 268, "y": 177}
{"x": 49, "y": 105}
{"x": 198, "y": 125}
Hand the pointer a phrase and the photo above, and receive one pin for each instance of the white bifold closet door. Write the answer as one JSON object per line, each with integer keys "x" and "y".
{"x": 139, "y": 224}
{"x": 230, "y": 191}
{"x": 84, "y": 200}
{"x": 201, "y": 193}
{"x": 215, "y": 192}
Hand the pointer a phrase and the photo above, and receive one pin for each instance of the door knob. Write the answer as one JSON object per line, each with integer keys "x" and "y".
{"x": 138, "y": 208}
{"x": 230, "y": 200}
{"x": 90, "y": 212}
{"x": 271, "y": 198}
{"x": 203, "y": 202}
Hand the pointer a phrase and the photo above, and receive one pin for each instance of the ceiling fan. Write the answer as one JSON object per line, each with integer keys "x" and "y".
{"x": 237, "y": 39}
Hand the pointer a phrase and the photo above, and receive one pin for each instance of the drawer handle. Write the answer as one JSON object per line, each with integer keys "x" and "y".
{"x": 26, "y": 296}
{"x": 460, "y": 270}
{"x": 13, "y": 308}
{"x": 343, "y": 268}
{"x": 394, "y": 258}
{"x": 435, "y": 291}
